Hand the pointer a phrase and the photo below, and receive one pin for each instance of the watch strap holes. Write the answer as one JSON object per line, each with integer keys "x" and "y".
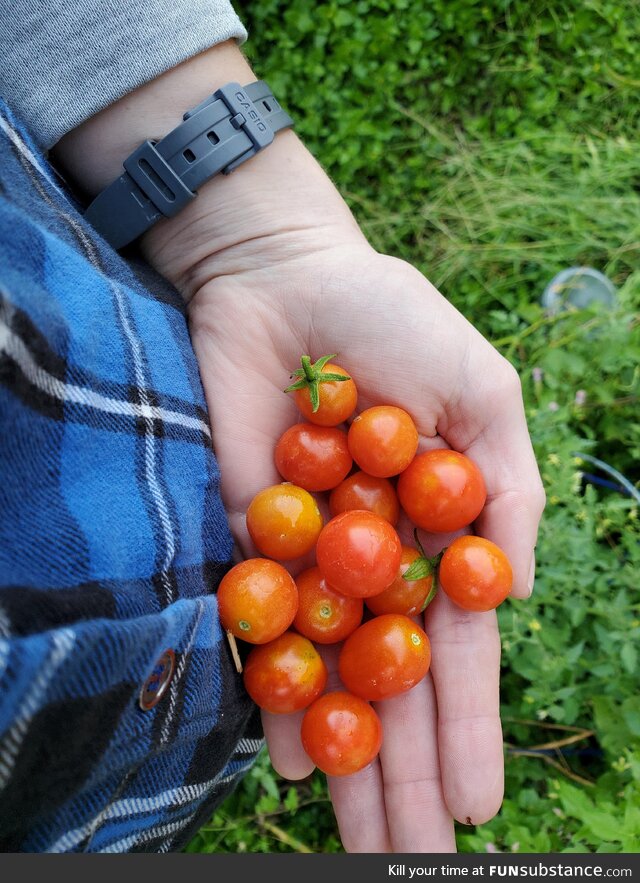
{"x": 213, "y": 137}
{"x": 189, "y": 155}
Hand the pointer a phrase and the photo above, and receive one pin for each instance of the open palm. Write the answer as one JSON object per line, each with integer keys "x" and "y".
{"x": 405, "y": 345}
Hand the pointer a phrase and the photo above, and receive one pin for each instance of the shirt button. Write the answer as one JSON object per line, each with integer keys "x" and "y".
{"x": 158, "y": 681}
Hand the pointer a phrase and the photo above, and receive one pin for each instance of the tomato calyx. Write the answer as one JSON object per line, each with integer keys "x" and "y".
{"x": 423, "y": 567}
{"x": 311, "y": 375}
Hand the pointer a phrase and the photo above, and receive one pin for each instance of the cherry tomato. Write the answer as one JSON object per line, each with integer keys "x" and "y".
{"x": 383, "y": 440}
{"x": 315, "y": 458}
{"x": 341, "y": 733}
{"x": 442, "y": 491}
{"x": 324, "y": 615}
{"x": 358, "y": 553}
{"x": 336, "y": 398}
{"x": 475, "y": 573}
{"x": 384, "y": 657}
{"x": 402, "y": 596}
{"x": 284, "y": 521}
{"x": 285, "y": 675}
{"x": 363, "y": 491}
{"x": 257, "y": 600}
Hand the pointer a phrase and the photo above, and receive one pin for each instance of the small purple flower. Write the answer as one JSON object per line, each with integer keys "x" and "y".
{"x": 538, "y": 374}
{"x": 553, "y": 406}
{"x": 581, "y": 397}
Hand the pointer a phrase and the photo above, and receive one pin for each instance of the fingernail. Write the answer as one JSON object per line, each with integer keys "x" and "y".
{"x": 532, "y": 575}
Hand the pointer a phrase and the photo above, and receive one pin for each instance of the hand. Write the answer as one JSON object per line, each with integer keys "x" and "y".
{"x": 273, "y": 266}
{"x": 405, "y": 344}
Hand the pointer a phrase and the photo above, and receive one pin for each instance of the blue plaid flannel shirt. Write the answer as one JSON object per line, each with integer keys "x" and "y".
{"x": 113, "y": 539}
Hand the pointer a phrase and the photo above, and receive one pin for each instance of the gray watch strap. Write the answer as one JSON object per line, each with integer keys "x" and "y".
{"x": 160, "y": 178}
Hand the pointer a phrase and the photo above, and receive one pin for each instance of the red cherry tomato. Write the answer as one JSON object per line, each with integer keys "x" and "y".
{"x": 383, "y": 440}
{"x": 442, "y": 491}
{"x": 475, "y": 573}
{"x": 341, "y": 733}
{"x": 284, "y": 521}
{"x": 315, "y": 458}
{"x": 363, "y": 491}
{"x": 384, "y": 657}
{"x": 358, "y": 553}
{"x": 402, "y": 596}
{"x": 285, "y": 675}
{"x": 324, "y": 615}
{"x": 257, "y": 600}
{"x": 337, "y": 398}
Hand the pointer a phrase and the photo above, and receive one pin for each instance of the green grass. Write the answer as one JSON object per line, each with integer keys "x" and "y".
{"x": 492, "y": 144}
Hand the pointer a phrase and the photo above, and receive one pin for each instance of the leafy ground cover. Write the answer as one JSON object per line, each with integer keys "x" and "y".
{"x": 492, "y": 144}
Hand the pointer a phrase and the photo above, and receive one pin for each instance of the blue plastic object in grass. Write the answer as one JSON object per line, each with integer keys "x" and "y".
{"x": 622, "y": 485}
{"x": 578, "y": 287}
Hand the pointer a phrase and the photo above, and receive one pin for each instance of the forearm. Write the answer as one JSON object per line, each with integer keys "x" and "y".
{"x": 280, "y": 190}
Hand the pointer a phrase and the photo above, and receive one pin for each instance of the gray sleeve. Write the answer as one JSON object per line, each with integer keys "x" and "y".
{"x": 65, "y": 60}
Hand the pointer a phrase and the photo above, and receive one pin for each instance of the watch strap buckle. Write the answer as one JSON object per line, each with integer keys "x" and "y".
{"x": 245, "y": 115}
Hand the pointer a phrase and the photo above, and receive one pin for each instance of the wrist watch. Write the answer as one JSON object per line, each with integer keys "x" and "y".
{"x": 160, "y": 178}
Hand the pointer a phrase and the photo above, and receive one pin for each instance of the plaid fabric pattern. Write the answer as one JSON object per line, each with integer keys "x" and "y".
{"x": 113, "y": 539}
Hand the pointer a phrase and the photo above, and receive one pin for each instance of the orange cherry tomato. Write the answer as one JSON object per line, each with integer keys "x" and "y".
{"x": 315, "y": 458}
{"x": 324, "y": 615}
{"x": 284, "y": 521}
{"x": 285, "y": 675}
{"x": 257, "y": 600}
{"x": 336, "y": 398}
{"x": 475, "y": 573}
{"x": 363, "y": 491}
{"x": 383, "y": 440}
{"x": 402, "y": 596}
{"x": 341, "y": 733}
{"x": 358, "y": 553}
{"x": 384, "y": 657}
{"x": 442, "y": 491}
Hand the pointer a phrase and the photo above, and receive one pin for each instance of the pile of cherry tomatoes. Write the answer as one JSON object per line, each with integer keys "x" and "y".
{"x": 365, "y": 588}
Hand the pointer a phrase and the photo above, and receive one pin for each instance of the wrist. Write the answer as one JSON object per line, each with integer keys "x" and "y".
{"x": 276, "y": 206}
{"x": 278, "y": 201}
